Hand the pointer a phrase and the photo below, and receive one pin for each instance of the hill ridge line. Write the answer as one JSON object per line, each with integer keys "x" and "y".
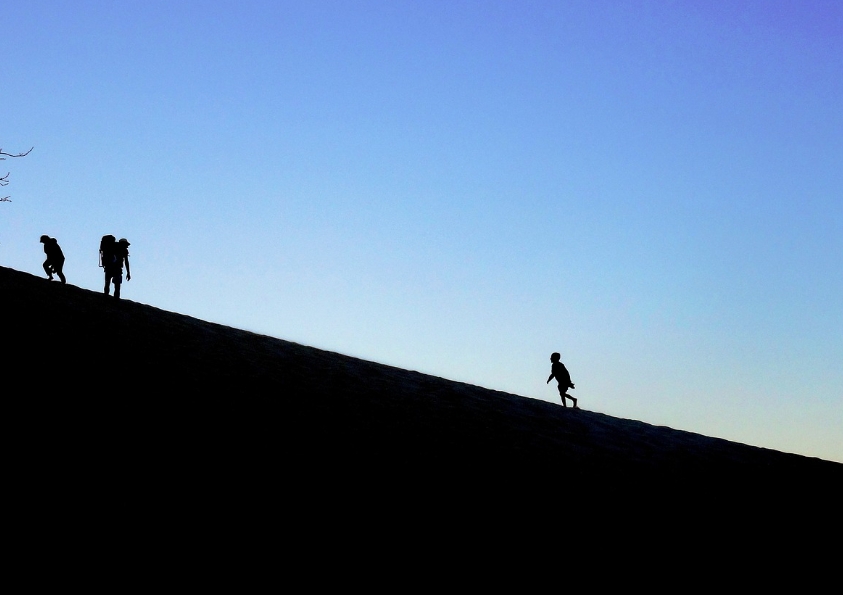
{"x": 277, "y": 395}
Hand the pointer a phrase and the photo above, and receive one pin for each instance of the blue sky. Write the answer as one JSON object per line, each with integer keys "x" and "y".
{"x": 653, "y": 189}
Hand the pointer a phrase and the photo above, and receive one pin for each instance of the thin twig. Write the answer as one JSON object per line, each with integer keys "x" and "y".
{"x": 2, "y": 152}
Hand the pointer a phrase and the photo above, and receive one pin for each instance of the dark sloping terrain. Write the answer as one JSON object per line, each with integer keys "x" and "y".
{"x": 140, "y": 401}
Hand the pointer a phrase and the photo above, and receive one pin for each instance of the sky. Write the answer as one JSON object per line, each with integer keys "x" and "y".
{"x": 652, "y": 189}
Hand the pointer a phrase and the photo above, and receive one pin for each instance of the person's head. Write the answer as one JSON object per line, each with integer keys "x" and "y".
{"x": 123, "y": 242}
{"x": 45, "y": 239}
{"x": 554, "y": 357}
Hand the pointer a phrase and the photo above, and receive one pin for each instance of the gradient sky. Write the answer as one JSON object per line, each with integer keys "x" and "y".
{"x": 653, "y": 189}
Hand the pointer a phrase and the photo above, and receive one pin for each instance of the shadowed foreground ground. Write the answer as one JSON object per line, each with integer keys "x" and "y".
{"x": 148, "y": 404}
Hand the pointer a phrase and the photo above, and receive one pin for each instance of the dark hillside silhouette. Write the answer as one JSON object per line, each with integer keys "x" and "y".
{"x": 131, "y": 402}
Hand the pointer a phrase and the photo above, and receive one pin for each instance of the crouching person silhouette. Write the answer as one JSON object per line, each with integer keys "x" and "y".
{"x": 563, "y": 378}
{"x": 55, "y": 258}
{"x": 112, "y": 257}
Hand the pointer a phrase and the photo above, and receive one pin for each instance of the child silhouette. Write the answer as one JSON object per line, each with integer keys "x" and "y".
{"x": 560, "y": 372}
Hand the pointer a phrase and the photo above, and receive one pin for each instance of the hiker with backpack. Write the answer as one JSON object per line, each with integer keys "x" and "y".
{"x": 113, "y": 254}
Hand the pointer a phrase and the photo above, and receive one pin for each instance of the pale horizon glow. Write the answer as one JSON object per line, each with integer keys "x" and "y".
{"x": 653, "y": 189}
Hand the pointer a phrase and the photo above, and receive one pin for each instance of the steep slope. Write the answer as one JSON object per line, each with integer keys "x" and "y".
{"x": 95, "y": 386}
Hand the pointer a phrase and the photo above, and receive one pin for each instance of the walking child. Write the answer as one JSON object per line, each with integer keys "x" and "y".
{"x": 560, "y": 372}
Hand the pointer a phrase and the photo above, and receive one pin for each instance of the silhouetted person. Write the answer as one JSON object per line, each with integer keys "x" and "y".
{"x": 113, "y": 255}
{"x": 55, "y": 258}
{"x": 563, "y": 378}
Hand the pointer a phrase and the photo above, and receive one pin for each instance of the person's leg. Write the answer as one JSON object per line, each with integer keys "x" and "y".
{"x": 117, "y": 285}
{"x": 107, "y": 283}
{"x": 562, "y": 394}
{"x": 48, "y": 268}
{"x": 58, "y": 270}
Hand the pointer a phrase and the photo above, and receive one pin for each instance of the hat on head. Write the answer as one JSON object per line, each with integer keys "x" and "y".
{"x": 123, "y": 241}
{"x": 44, "y": 238}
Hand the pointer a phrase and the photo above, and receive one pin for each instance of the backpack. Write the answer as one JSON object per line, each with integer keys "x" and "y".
{"x": 107, "y": 249}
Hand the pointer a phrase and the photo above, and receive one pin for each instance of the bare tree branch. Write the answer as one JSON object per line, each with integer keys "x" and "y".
{"x": 2, "y": 152}
{"x": 4, "y": 180}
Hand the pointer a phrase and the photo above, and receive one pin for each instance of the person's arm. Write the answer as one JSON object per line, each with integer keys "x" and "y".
{"x": 549, "y": 378}
{"x": 128, "y": 272}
